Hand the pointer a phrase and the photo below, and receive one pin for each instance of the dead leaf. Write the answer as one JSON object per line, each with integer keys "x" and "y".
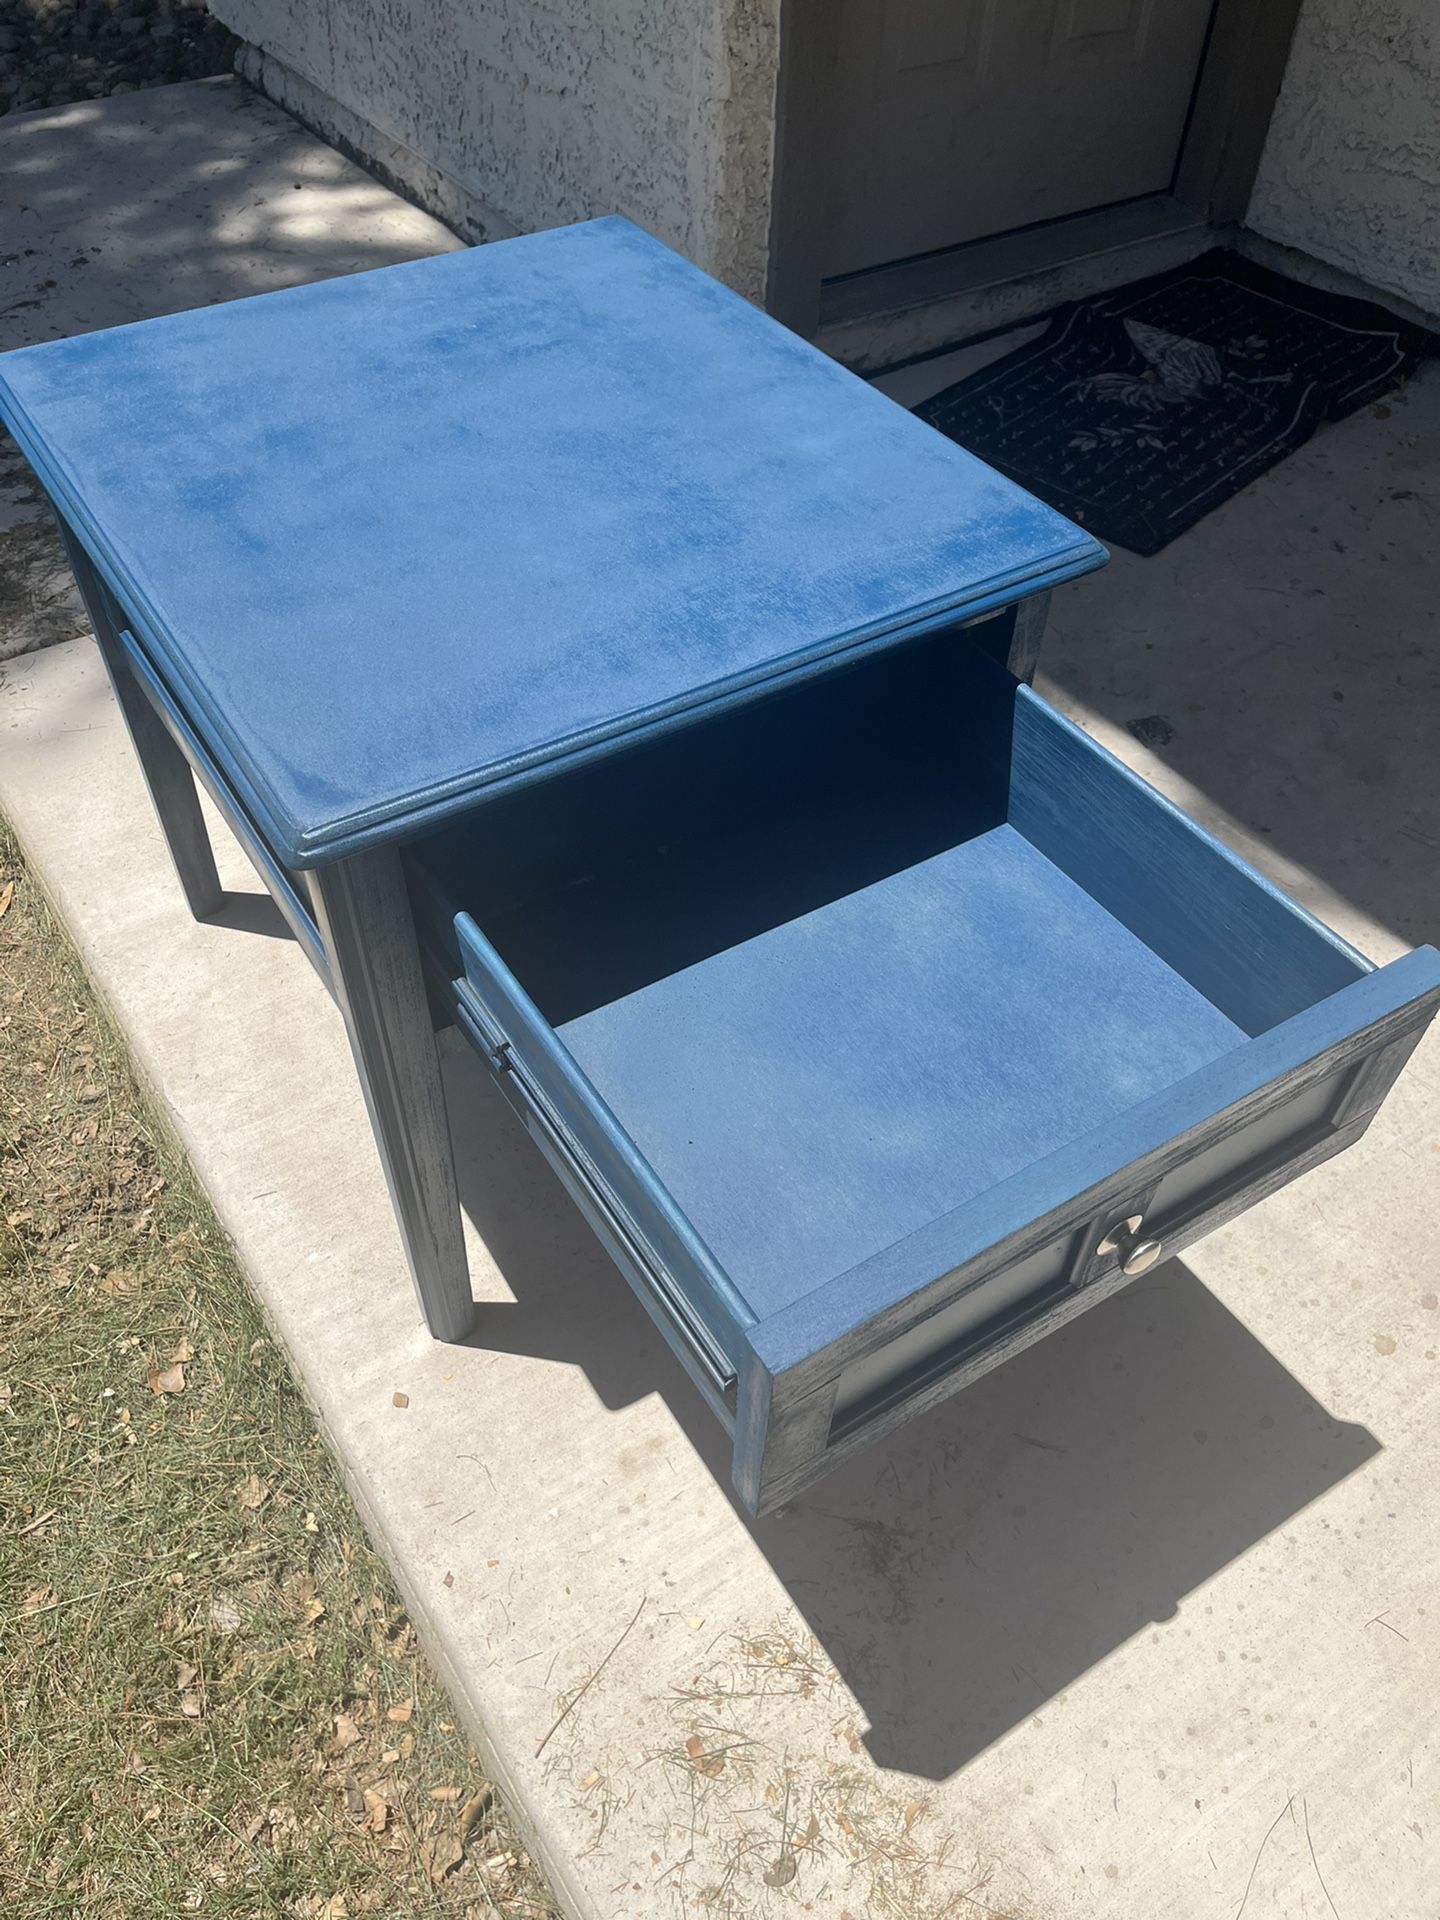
{"x": 354, "y": 1799}
{"x": 89, "y": 1093}
{"x": 377, "y": 1810}
{"x": 400, "y": 1400}
{"x": 913, "y": 1812}
{"x": 407, "y": 1746}
{"x": 252, "y": 1493}
{"x": 182, "y": 1353}
{"x": 471, "y": 1811}
{"x": 36, "y": 1598}
{"x": 389, "y": 1756}
{"x": 333, "y": 1909}
{"x": 7, "y": 894}
{"x": 312, "y": 1606}
{"x": 783, "y": 1871}
{"x": 310, "y": 1523}
{"x": 712, "y": 1765}
{"x": 190, "y": 1706}
{"x": 443, "y": 1856}
{"x": 447, "y": 1794}
{"x": 167, "y": 1379}
{"x": 448, "y": 1581}
{"x": 119, "y": 1284}
{"x": 18, "y": 1218}
{"x": 185, "y": 1676}
{"x": 401, "y": 1712}
{"x": 346, "y": 1733}
{"x": 591, "y": 1779}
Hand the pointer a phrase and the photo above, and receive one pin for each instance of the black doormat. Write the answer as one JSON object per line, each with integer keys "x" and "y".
{"x": 1137, "y": 412}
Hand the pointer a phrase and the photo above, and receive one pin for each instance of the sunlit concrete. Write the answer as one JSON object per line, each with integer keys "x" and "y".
{"x": 145, "y": 203}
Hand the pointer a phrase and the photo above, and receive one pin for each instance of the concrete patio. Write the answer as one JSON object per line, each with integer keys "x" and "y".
{"x": 1144, "y": 1624}
{"x": 117, "y": 210}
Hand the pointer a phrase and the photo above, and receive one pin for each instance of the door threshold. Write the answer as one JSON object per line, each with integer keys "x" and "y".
{"x": 1008, "y": 256}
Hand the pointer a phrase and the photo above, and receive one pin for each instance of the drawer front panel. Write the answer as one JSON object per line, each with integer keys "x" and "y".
{"x": 1222, "y": 1171}
{"x": 977, "y": 1319}
{"x": 992, "y": 1306}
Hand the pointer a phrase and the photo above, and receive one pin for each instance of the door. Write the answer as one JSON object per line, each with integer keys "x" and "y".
{"x": 952, "y": 120}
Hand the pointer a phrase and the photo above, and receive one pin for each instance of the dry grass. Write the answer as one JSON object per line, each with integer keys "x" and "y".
{"x": 210, "y": 1698}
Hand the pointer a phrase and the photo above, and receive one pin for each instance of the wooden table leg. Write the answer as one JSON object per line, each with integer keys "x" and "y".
{"x": 166, "y": 770}
{"x": 368, "y": 927}
{"x": 1026, "y": 636}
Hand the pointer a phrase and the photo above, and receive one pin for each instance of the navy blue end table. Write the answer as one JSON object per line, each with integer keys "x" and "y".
{"x": 582, "y": 658}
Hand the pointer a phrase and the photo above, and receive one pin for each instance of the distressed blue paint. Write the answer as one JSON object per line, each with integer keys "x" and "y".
{"x": 1236, "y": 938}
{"x": 396, "y": 538}
{"x": 851, "y": 1300}
{"x": 828, "y": 1088}
{"x": 296, "y": 911}
{"x": 806, "y": 998}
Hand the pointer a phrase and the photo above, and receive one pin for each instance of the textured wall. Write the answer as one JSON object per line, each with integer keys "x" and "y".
{"x": 1351, "y": 169}
{"x": 545, "y": 111}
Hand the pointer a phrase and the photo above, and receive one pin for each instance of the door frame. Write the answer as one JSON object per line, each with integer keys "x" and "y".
{"x": 1240, "y": 74}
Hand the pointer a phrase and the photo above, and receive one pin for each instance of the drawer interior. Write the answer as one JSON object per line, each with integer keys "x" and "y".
{"x": 842, "y": 958}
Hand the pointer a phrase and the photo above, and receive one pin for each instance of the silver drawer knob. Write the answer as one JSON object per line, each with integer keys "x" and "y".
{"x": 1136, "y": 1255}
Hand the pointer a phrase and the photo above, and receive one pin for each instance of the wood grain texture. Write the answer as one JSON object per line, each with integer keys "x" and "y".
{"x": 789, "y": 1461}
{"x": 967, "y": 1050}
{"x": 1255, "y": 954}
{"x": 366, "y": 924}
{"x": 1027, "y": 636}
{"x": 1101, "y": 1173}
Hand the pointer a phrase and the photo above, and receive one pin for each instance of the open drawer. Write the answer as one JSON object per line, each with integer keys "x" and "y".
{"x": 884, "y": 1023}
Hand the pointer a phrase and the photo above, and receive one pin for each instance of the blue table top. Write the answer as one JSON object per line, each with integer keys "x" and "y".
{"x": 397, "y": 539}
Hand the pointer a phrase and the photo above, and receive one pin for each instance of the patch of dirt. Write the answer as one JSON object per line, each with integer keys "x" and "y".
{"x": 39, "y": 601}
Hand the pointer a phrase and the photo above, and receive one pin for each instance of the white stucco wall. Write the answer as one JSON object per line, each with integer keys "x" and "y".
{"x": 1351, "y": 168}
{"x": 543, "y": 111}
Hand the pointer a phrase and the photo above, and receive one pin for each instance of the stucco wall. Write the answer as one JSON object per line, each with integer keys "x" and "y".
{"x": 1351, "y": 169}
{"x": 543, "y": 111}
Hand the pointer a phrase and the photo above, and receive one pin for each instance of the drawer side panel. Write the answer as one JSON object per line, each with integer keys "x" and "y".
{"x": 1221, "y": 925}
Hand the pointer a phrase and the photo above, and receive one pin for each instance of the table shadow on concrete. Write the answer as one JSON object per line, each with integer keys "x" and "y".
{"x": 971, "y": 1568}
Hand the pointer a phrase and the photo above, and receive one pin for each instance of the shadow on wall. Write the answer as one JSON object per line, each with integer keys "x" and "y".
{"x": 964, "y": 1572}
{"x": 1289, "y": 646}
